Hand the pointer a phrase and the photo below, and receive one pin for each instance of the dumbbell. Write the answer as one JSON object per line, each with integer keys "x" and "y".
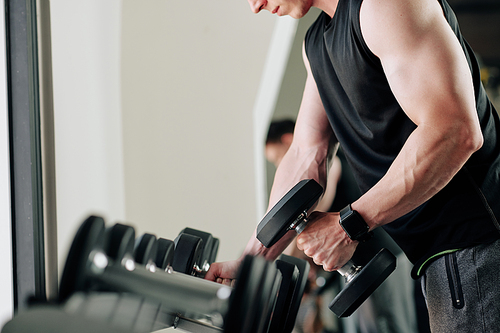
{"x": 195, "y": 251}
{"x": 183, "y": 254}
{"x": 190, "y": 251}
{"x": 290, "y": 213}
{"x": 209, "y": 248}
{"x": 293, "y": 270}
{"x": 245, "y": 308}
{"x": 148, "y": 251}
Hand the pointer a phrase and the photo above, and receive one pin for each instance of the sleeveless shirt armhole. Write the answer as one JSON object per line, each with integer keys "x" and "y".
{"x": 308, "y": 33}
{"x": 359, "y": 34}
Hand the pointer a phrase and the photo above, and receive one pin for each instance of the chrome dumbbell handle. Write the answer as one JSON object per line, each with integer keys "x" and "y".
{"x": 349, "y": 270}
{"x": 300, "y": 223}
{"x": 210, "y": 297}
{"x": 201, "y": 271}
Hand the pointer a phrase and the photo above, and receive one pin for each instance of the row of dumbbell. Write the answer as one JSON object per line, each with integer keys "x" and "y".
{"x": 191, "y": 252}
{"x": 265, "y": 298}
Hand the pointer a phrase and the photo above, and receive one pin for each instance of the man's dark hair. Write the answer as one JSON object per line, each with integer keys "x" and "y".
{"x": 278, "y": 128}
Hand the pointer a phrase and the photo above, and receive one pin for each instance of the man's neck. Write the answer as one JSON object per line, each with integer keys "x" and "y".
{"x": 328, "y": 6}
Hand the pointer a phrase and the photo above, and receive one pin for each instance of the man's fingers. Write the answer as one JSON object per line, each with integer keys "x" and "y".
{"x": 222, "y": 272}
{"x": 214, "y": 272}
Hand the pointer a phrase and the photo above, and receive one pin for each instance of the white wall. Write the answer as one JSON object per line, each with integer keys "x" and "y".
{"x": 191, "y": 73}
{"x": 6, "y": 269}
{"x": 267, "y": 98}
{"x": 87, "y": 110}
{"x": 153, "y": 115}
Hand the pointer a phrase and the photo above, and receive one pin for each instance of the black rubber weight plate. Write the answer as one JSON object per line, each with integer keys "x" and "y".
{"x": 206, "y": 246}
{"x": 120, "y": 241}
{"x": 187, "y": 253}
{"x": 89, "y": 237}
{"x": 165, "y": 253}
{"x": 145, "y": 249}
{"x": 215, "y": 250}
{"x": 256, "y": 287}
{"x": 270, "y": 284}
{"x": 278, "y": 220}
{"x": 290, "y": 275}
{"x": 294, "y": 299}
{"x": 364, "y": 284}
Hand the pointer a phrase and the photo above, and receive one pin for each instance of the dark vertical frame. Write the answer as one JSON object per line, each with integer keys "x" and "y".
{"x": 25, "y": 150}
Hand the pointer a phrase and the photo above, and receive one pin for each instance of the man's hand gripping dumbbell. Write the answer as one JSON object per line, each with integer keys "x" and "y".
{"x": 330, "y": 240}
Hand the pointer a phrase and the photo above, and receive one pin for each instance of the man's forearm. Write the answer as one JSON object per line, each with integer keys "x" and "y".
{"x": 428, "y": 161}
{"x": 254, "y": 246}
{"x": 297, "y": 164}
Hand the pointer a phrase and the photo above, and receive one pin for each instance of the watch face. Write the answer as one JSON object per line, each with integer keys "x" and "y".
{"x": 354, "y": 225}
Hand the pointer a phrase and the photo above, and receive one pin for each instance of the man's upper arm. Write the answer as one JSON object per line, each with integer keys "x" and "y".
{"x": 422, "y": 59}
{"x": 312, "y": 127}
{"x": 308, "y": 154}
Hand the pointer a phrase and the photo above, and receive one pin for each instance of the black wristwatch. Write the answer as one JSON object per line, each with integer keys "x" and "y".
{"x": 354, "y": 225}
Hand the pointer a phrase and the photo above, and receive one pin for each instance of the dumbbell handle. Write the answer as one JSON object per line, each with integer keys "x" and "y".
{"x": 200, "y": 272}
{"x": 299, "y": 224}
{"x": 349, "y": 270}
{"x": 170, "y": 288}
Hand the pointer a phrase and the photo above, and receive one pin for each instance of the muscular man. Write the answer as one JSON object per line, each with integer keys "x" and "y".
{"x": 397, "y": 85}
{"x": 391, "y": 308}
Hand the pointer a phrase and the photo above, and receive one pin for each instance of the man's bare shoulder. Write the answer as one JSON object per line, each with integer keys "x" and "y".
{"x": 388, "y": 24}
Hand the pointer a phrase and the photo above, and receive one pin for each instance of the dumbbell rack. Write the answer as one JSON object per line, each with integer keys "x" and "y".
{"x": 133, "y": 313}
{"x": 105, "y": 290}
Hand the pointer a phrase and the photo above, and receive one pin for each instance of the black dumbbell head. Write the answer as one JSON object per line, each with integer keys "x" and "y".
{"x": 363, "y": 284}
{"x": 253, "y": 298}
{"x": 119, "y": 241}
{"x": 278, "y": 220}
{"x": 89, "y": 237}
{"x": 165, "y": 253}
{"x": 215, "y": 250}
{"x": 187, "y": 254}
{"x": 206, "y": 245}
{"x": 145, "y": 249}
{"x": 294, "y": 273}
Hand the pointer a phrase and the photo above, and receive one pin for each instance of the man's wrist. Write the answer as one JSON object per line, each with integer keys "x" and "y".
{"x": 353, "y": 224}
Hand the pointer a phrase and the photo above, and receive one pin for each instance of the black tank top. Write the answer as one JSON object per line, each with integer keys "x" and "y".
{"x": 372, "y": 128}
{"x": 347, "y": 188}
